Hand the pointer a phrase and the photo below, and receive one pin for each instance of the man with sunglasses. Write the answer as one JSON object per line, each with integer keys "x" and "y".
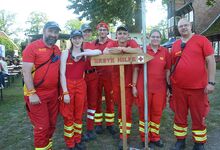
{"x": 192, "y": 78}
{"x": 41, "y": 77}
{"x": 123, "y": 45}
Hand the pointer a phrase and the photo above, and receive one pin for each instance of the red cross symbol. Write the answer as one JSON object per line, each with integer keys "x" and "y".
{"x": 140, "y": 59}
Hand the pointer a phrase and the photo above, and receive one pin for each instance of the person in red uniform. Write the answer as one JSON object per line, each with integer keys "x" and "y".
{"x": 73, "y": 65}
{"x": 192, "y": 79}
{"x": 123, "y": 45}
{"x": 158, "y": 71}
{"x": 87, "y": 32}
{"x": 41, "y": 85}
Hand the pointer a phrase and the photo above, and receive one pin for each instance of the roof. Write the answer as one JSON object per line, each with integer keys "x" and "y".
{"x": 3, "y": 34}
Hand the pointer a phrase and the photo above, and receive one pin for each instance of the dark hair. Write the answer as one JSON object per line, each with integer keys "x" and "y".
{"x": 155, "y": 30}
{"x": 71, "y": 49}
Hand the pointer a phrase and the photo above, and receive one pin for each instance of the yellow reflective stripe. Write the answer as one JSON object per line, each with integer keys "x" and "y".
{"x": 141, "y": 129}
{"x": 99, "y": 120}
{"x": 78, "y": 125}
{"x": 109, "y": 114}
{"x": 109, "y": 120}
{"x": 45, "y": 148}
{"x": 127, "y": 131}
{"x": 69, "y": 134}
{"x": 50, "y": 144}
{"x": 200, "y": 139}
{"x": 154, "y": 130}
{"x": 78, "y": 131}
{"x": 141, "y": 123}
{"x": 199, "y": 132}
{"x": 69, "y": 128}
{"x": 179, "y": 128}
{"x": 155, "y": 124}
{"x": 98, "y": 114}
{"x": 180, "y": 133}
{"x": 128, "y": 124}
{"x": 119, "y": 120}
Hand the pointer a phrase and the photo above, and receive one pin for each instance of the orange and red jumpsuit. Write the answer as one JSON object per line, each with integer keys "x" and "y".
{"x": 128, "y": 88}
{"x": 188, "y": 82}
{"x": 73, "y": 112}
{"x": 156, "y": 73}
{"x": 43, "y": 116}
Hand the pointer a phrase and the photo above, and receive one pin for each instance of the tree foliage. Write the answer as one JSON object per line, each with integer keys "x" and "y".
{"x": 36, "y": 21}
{"x": 72, "y": 24}
{"x": 9, "y": 47}
{"x": 7, "y": 19}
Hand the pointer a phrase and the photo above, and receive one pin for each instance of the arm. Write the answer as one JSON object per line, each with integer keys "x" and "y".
{"x": 130, "y": 50}
{"x": 63, "y": 59}
{"x": 88, "y": 52}
{"x": 112, "y": 50}
{"x": 134, "y": 81}
{"x": 28, "y": 80}
{"x": 211, "y": 67}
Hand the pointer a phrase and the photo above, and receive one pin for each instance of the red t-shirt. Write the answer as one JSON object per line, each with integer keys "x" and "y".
{"x": 38, "y": 53}
{"x": 128, "y": 68}
{"x": 191, "y": 72}
{"x": 75, "y": 70}
{"x": 156, "y": 69}
{"x": 88, "y": 45}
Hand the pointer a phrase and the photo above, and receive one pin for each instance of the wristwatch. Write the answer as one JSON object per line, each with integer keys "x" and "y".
{"x": 212, "y": 83}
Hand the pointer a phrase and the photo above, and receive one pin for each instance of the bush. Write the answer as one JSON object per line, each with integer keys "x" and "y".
{"x": 218, "y": 65}
{"x": 9, "y": 47}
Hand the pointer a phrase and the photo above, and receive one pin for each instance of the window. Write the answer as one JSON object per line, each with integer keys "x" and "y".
{"x": 191, "y": 16}
{"x": 216, "y": 47}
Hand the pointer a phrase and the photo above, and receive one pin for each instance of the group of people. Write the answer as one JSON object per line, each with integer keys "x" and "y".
{"x": 66, "y": 82}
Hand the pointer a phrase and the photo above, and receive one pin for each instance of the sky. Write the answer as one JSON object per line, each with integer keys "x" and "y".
{"x": 56, "y": 10}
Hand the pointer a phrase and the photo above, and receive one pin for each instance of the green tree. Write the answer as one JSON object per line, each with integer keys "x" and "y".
{"x": 36, "y": 21}
{"x": 9, "y": 47}
{"x": 7, "y": 20}
{"x": 72, "y": 24}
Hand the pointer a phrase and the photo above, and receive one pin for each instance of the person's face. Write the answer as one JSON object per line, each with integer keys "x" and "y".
{"x": 155, "y": 39}
{"x": 50, "y": 36}
{"x": 77, "y": 41}
{"x": 102, "y": 32}
{"x": 184, "y": 27}
{"x": 87, "y": 34}
{"x": 122, "y": 36}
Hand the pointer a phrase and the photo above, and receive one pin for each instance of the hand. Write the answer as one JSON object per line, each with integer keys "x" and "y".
{"x": 134, "y": 91}
{"x": 78, "y": 56}
{"x": 66, "y": 98}
{"x": 115, "y": 50}
{"x": 209, "y": 88}
{"x": 34, "y": 99}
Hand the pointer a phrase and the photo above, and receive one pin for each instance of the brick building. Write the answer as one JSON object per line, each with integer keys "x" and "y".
{"x": 205, "y": 19}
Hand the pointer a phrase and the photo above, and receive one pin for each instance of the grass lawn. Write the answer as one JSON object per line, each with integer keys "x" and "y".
{"x": 16, "y": 130}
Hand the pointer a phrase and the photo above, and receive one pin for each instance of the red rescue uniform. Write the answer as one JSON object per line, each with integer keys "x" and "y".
{"x": 43, "y": 116}
{"x": 72, "y": 113}
{"x": 189, "y": 81}
{"x": 128, "y": 88}
{"x": 156, "y": 73}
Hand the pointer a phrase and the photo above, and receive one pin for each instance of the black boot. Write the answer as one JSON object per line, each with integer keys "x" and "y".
{"x": 198, "y": 146}
{"x": 99, "y": 129}
{"x": 80, "y": 146}
{"x": 111, "y": 130}
{"x": 151, "y": 145}
{"x": 159, "y": 143}
{"x": 179, "y": 145}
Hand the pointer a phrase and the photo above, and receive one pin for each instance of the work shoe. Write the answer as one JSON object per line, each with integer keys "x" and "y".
{"x": 159, "y": 143}
{"x": 80, "y": 146}
{"x": 99, "y": 129}
{"x": 90, "y": 135}
{"x": 198, "y": 146}
{"x": 179, "y": 145}
{"x": 143, "y": 144}
{"x": 111, "y": 130}
{"x": 120, "y": 144}
{"x": 151, "y": 145}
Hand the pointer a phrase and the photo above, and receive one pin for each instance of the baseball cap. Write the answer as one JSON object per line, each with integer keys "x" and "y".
{"x": 52, "y": 24}
{"x": 85, "y": 27}
{"x": 102, "y": 24}
{"x": 122, "y": 27}
{"x": 76, "y": 33}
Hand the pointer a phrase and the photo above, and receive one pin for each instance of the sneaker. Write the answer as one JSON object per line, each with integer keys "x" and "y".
{"x": 198, "y": 146}
{"x": 111, "y": 130}
{"x": 159, "y": 143}
{"x": 80, "y": 146}
{"x": 99, "y": 129}
{"x": 179, "y": 145}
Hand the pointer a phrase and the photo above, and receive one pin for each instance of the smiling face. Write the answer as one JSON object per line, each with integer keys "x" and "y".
{"x": 122, "y": 36}
{"x": 50, "y": 36}
{"x": 102, "y": 32}
{"x": 155, "y": 38}
{"x": 87, "y": 34}
{"x": 184, "y": 27}
{"x": 77, "y": 41}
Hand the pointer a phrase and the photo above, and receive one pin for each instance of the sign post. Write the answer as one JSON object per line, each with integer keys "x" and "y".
{"x": 121, "y": 60}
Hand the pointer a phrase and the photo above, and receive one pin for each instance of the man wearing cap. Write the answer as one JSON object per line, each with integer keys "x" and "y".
{"x": 41, "y": 72}
{"x": 123, "y": 45}
{"x": 87, "y": 32}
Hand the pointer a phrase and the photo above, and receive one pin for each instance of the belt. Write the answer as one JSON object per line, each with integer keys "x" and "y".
{"x": 90, "y": 71}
